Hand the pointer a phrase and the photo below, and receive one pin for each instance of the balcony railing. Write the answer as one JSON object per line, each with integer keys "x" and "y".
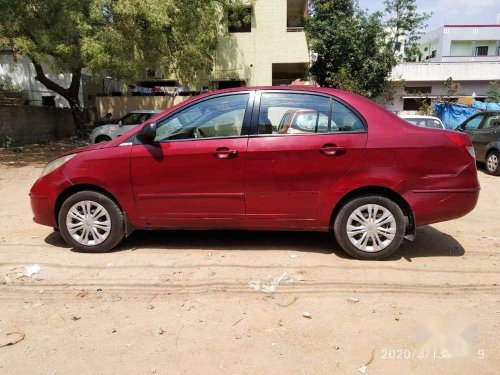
{"x": 294, "y": 29}
{"x": 471, "y": 58}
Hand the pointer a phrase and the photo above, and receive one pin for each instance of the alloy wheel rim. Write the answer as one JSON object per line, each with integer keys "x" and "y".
{"x": 371, "y": 228}
{"x": 492, "y": 163}
{"x": 88, "y": 223}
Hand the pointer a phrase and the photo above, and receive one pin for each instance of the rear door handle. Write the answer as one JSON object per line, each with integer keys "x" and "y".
{"x": 225, "y": 153}
{"x": 331, "y": 149}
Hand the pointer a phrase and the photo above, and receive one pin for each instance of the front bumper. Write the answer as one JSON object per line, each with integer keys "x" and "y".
{"x": 43, "y": 197}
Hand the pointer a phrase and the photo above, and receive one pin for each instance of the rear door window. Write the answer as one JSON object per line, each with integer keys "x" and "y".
{"x": 492, "y": 121}
{"x": 292, "y": 113}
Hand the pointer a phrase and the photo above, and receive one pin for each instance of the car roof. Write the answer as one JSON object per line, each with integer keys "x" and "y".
{"x": 419, "y": 116}
{"x": 147, "y": 111}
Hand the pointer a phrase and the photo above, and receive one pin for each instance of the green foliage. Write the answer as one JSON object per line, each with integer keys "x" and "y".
{"x": 406, "y": 24}
{"x": 389, "y": 92}
{"x": 239, "y": 15}
{"x": 354, "y": 50}
{"x": 118, "y": 38}
{"x": 493, "y": 92}
{"x": 426, "y": 108}
{"x": 11, "y": 93}
{"x": 121, "y": 37}
{"x": 7, "y": 142}
{"x": 452, "y": 88}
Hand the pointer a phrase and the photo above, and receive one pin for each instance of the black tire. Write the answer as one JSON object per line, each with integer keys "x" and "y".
{"x": 102, "y": 138}
{"x": 340, "y": 227}
{"x": 116, "y": 233}
{"x": 489, "y": 169}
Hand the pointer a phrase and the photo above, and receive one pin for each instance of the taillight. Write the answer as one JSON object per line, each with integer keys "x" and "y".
{"x": 471, "y": 151}
{"x": 461, "y": 140}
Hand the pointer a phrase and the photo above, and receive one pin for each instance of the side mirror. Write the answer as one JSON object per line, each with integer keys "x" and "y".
{"x": 148, "y": 133}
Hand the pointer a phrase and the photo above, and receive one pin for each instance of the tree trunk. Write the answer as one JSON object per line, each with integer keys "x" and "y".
{"x": 71, "y": 94}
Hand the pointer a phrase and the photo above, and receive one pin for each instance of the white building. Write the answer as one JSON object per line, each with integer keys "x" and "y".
{"x": 469, "y": 54}
{"x": 459, "y": 43}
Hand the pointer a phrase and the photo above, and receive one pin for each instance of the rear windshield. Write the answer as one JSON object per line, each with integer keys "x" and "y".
{"x": 425, "y": 122}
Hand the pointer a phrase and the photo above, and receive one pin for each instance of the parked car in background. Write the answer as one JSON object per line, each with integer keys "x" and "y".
{"x": 219, "y": 161}
{"x": 425, "y": 121}
{"x": 484, "y": 131}
{"x": 109, "y": 131}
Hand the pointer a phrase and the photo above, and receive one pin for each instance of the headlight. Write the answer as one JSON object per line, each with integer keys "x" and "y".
{"x": 54, "y": 164}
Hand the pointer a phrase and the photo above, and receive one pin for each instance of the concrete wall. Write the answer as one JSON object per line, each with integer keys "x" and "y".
{"x": 474, "y": 78}
{"x": 460, "y": 71}
{"x": 31, "y": 124}
{"x": 250, "y": 56}
{"x": 119, "y": 106}
{"x": 23, "y": 74}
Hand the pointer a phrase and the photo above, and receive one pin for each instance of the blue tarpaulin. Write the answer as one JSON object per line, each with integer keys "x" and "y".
{"x": 486, "y": 106}
{"x": 453, "y": 114}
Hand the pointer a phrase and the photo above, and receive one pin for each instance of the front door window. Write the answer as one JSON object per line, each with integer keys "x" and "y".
{"x": 213, "y": 118}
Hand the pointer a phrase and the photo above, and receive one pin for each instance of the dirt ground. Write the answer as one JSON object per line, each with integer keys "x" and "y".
{"x": 196, "y": 302}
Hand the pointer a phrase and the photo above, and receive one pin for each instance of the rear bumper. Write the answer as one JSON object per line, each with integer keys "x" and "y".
{"x": 432, "y": 206}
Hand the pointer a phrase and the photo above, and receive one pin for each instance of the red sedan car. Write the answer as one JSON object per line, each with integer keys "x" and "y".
{"x": 219, "y": 161}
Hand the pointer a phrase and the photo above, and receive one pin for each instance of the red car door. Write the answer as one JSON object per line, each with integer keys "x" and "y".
{"x": 288, "y": 173}
{"x": 193, "y": 175}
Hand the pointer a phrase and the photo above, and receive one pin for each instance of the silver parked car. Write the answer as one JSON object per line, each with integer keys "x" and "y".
{"x": 107, "y": 132}
{"x": 425, "y": 121}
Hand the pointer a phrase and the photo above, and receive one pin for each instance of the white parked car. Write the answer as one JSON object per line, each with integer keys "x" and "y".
{"x": 424, "y": 121}
{"x": 108, "y": 132}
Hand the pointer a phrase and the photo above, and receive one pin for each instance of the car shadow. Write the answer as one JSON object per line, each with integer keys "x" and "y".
{"x": 430, "y": 242}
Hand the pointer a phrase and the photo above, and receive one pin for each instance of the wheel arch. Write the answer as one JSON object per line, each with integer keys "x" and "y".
{"x": 73, "y": 189}
{"x": 101, "y": 136}
{"x": 491, "y": 148}
{"x": 381, "y": 191}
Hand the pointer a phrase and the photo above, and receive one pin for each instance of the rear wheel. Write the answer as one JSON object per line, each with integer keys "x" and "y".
{"x": 493, "y": 163}
{"x": 102, "y": 138}
{"x": 91, "y": 222}
{"x": 370, "y": 227}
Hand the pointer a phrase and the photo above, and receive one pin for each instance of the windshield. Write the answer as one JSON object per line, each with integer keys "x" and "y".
{"x": 135, "y": 118}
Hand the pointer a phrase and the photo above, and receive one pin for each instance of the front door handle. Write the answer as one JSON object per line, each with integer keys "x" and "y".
{"x": 331, "y": 149}
{"x": 225, "y": 153}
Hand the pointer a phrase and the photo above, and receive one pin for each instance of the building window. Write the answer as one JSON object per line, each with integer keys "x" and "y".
{"x": 296, "y": 11}
{"x": 240, "y": 20}
{"x": 433, "y": 54}
{"x": 418, "y": 90}
{"x": 482, "y": 51}
{"x": 412, "y": 104}
{"x": 397, "y": 46}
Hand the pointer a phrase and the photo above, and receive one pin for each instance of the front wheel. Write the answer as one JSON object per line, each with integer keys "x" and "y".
{"x": 91, "y": 222}
{"x": 493, "y": 163}
{"x": 370, "y": 227}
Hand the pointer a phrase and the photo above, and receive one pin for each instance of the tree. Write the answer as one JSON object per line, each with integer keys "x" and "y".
{"x": 493, "y": 92}
{"x": 405, "y": 25}
{"x": 354, "y": 50}
{"x": 453, "y": 89}
{"x": 122, "y": 38}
